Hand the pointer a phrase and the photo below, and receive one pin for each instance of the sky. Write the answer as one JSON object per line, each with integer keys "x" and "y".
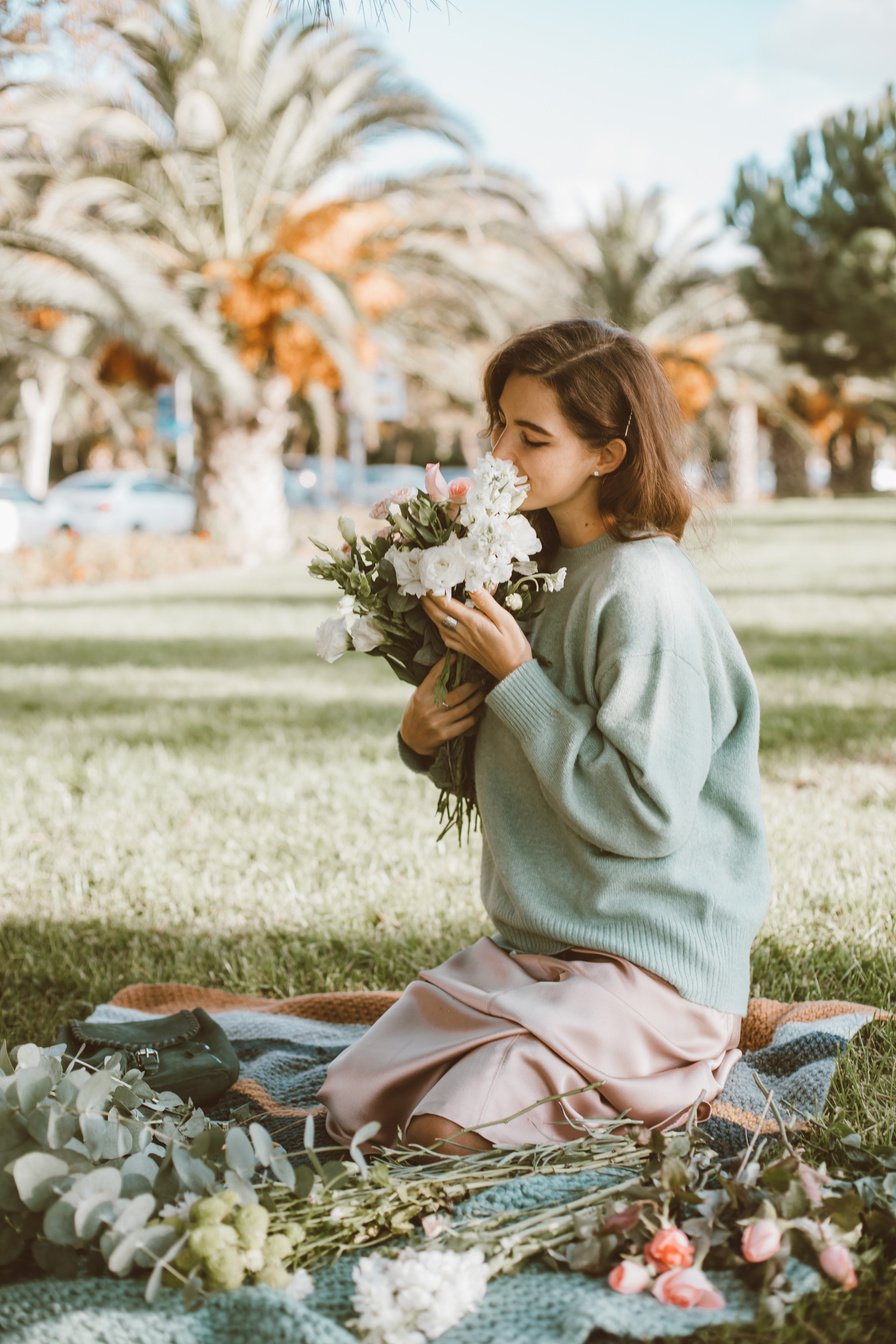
{"x": 579, "y": 95}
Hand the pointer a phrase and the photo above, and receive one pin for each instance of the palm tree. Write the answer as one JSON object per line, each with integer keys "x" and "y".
{"x": 226, "y": 141}
{"x": 693, "y": 318}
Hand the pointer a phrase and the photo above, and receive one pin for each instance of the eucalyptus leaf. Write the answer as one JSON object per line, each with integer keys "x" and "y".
{"x": 104, "y": 1181}
{"x": 242, "y": 1189}
{"x": 91, "y": 1213}
{"x": 94, "y": 1093}
{"x": 262, "y": 1143}
{"x": 240, "y": 1153}
{"x": 37, "y": 1177}
{"x": 59, "y": 1224}
{"x": 137, "y": 1213}
{"x": 121, "y": 1258}
{"x": 138, "y": 1174}
{"x": 283, "y": 1171}
{"x": 31, "y": 1086}
{"x": 12, "y": 1131}
{"x": 194, "y": 1174}
{"x": 28, "y": 1056}
{"x": 158, "y": 1240}
{"x": 63, "y": 1262}
{"x": 93, "y": 1131}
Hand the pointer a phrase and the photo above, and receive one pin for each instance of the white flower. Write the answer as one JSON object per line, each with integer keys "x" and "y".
{"x": 418, "y": 1295}
{"x": 345, "y": 606}
{"x": 300, "y": 1285}
{"x": 513, "y": 602}
{"x": 367, "y": 635}
{"x": 331, "y": 639}
{"x": 347, "y": 528}
{"x": 524, "y": 539}
{"x": 407, "y": 570}
{"x": 442, "y": 567}
{"x": 493, "y": 490}
{"x": 554, "y": 582}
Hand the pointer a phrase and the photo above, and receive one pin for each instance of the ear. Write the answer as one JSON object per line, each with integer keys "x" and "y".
{"x": 612, "y": 455}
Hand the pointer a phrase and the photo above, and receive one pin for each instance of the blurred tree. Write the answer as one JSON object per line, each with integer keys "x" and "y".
{"x": 220, "y": 154}
{"x": 690, "y": 315}
{"x": 825, "y": 231}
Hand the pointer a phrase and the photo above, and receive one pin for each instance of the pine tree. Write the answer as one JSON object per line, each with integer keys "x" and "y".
{"x": 825, "y": 231}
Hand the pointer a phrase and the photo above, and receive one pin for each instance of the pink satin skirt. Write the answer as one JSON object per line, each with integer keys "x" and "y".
{"x": 489, "y": 1032}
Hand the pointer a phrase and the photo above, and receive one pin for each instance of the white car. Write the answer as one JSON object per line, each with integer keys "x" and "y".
{"x": 33, "y": 520}
{"x": 110, "y": 502}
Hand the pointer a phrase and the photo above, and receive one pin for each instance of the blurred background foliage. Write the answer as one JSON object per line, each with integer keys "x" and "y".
{"x": 184, "y": 203}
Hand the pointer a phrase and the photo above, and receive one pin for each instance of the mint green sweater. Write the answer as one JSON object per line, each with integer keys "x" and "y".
{"x": 617, "y": 776}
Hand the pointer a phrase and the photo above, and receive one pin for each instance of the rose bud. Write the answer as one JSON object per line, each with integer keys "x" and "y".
{"x": 436, "y": 485}
{"x": 760, "y": 1241}
{"x": 836, "y": 1262}
{"x": 629, "y": 1277}
{"x": 670, "y": 1248}
{"x": 458, "y": 489}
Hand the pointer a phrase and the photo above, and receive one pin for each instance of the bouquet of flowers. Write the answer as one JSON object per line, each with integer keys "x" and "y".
{"x": 448, "y": 540}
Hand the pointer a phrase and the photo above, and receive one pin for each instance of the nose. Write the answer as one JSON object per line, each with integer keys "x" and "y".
{"x": 497, "y": 449}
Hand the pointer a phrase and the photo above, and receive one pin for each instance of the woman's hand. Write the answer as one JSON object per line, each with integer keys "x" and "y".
{"x": 426, "y": 725}
{"x": 487, "y": 633}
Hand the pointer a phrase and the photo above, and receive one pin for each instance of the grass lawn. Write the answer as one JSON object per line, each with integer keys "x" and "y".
{"x": 188, "y": 793}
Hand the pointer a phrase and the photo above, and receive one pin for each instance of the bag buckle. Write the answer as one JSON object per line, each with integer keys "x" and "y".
{"x": 146, "y": 1058}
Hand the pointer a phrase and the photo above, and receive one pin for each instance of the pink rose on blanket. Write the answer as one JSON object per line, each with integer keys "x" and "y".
{"x": 670, "y": 1248}
{"x": 687, "y": 1288}
{"x": 629, "y": 1277}
{"x": 837, "y": 1263}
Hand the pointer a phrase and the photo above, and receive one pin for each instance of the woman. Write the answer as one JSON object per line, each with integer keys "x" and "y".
{"x": 624, "y": 861}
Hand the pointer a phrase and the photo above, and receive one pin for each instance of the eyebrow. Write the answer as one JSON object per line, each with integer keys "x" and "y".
{"x": 528, "y": 424}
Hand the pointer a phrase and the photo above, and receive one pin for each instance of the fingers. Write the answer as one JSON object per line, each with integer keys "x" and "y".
{"x": 470, "y": 690}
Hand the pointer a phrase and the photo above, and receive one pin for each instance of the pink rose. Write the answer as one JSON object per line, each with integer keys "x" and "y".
{"x": 458, "y": 488}
{"x": 629, "y": 1276}
{"x": 760, "y": 1241}
{"x": 687, "y": 1288}
{"x": 670, "y": 1248}
{"x": 402, "y": 494}
{"x": 836, "y": 1262}
{"x": 436, "y": 485}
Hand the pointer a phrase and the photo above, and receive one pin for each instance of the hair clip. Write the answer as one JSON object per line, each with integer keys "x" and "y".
{"x": 628, "y": 423}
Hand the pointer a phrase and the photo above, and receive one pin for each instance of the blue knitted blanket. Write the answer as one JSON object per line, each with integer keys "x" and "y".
{"x": 791, "y": 1049}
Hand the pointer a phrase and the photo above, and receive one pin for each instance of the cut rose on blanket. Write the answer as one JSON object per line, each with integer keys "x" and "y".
{"x": 448, "y": 539}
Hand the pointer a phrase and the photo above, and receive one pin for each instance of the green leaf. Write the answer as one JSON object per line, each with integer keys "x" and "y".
{"x": 29, "y": 1056}
{"x": 6, "y": 1064}
{"x": 240, "y": 1154}
{"x": 37, "y": 1177}
{"x": 121, "y": 1259}
{"x": 93, "y": 1132}
{"x": 104, "y": 1181}
{"x": 158, "y": 1240}
{"x": 283, "y": 1171}
{"x": 94, "y": 1094}
{"x": 194, "y": 1174}
{"x": 262, "y": 1143}
{"x": 138, "y": 1174}
{"x": 59, "y": 1224}
{"x": 31, "y": 1086}
{"x": 91, "y": 1213}
{"x": 137, "y": 1213}
{"x": 241, "y": 1188}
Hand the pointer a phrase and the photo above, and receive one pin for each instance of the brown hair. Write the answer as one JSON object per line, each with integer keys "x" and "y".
{"x": 600, "y": 374}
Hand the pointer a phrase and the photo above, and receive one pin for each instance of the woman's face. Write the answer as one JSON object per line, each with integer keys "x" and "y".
{"x": 533, "y": 434}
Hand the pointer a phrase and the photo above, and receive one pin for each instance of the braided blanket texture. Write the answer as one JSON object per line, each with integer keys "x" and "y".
{"x": 284, "y": 1048}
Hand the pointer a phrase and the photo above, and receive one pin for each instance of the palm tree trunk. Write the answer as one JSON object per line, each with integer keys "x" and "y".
{"x": 743, "y": 453}
{"x": 789, "y": 458}
{"x": 240, "y": 498}
{"x": 851, "y": 455}
{"x": 41, "y": 398}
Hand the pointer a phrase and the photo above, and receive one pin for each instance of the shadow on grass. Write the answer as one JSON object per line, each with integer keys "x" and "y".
{"x": 57, "y": 970}
{"x": 871, "y": 654}
{"x": 243, "y": 654}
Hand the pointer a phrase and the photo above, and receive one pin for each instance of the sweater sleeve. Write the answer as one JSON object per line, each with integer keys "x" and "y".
{"x": 434, "y": 767}
{"x": 626, "y": 776}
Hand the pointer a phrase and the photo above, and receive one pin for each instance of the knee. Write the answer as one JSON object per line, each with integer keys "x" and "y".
{"x": 435, "y": 1131}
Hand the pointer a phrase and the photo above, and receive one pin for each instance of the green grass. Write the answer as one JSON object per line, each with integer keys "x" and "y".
{"x": 188, "y": 793}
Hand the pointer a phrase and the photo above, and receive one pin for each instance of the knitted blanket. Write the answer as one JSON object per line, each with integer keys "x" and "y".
{"x": 284, "y": 1048}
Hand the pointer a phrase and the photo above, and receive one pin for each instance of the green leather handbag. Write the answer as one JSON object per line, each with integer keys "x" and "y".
{"x": 186, "y": 1053}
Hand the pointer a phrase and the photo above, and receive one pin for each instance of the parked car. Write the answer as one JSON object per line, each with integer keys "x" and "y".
{"x": 304, "y": 486}
{"x": 110, "y": 502}
{"x": 34, "y": 520}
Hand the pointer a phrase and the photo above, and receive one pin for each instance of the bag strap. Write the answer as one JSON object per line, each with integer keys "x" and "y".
{"x": 158, "y": 1032}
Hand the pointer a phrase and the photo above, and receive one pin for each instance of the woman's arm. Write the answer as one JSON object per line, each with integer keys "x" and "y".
{"x": 625, "y": 777}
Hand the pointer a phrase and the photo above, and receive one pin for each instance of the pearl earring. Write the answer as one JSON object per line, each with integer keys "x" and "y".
{"x": 595, "y": 473}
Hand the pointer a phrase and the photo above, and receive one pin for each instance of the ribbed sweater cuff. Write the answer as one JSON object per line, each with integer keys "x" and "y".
{"x": 525, "y": 700}
{"x": 412, "y": 759}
